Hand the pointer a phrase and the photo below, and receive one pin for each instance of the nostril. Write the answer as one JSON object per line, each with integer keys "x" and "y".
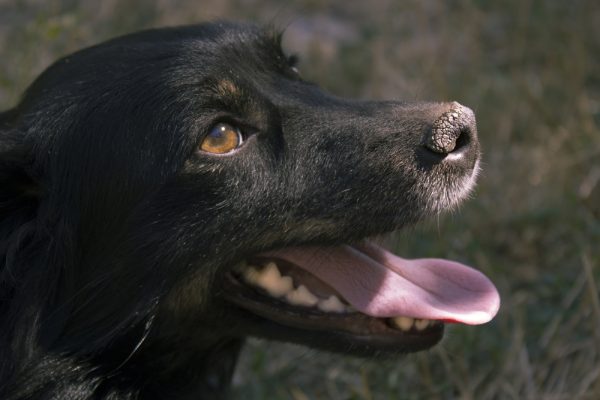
{"x": 452, "y": 131}
{"x": 463, "y": 140}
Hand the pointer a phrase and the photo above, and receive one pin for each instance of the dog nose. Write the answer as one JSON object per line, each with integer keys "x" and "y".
{"x": 453, "y": 131}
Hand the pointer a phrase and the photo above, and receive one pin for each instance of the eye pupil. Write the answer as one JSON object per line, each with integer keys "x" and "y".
{"x": 222, "y": 138}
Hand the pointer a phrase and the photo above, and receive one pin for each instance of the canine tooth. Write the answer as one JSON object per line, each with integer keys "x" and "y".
{"x": 301, "y": 297}
{"x": 251, "y": 275}
{"x": 404, "y": 323}
{"x": 421, "y": 324}
{"x": 332, "y": 304}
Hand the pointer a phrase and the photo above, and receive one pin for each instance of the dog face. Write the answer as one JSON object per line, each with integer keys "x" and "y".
{"x": 186, "y": 186}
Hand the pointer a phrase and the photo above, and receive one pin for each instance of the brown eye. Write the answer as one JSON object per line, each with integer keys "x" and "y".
{"x": 222, "y": 138}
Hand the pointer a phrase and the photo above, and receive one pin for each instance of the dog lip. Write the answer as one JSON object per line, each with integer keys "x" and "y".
{"x": 356, "y": 327}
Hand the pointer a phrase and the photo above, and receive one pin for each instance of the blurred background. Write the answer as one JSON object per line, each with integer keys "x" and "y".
{"x": 530, "y": 70}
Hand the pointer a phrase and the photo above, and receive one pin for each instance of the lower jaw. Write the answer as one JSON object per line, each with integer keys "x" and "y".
{"x": 352, "y": 333}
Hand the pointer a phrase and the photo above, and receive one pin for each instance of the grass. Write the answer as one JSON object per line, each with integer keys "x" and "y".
{"x": 529, "y": 69}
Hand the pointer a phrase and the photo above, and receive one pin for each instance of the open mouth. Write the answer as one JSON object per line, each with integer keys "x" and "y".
{"x": 365, "y": 293}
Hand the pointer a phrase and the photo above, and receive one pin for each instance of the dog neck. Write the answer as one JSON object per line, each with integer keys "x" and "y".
{"x": 174, "y": 374}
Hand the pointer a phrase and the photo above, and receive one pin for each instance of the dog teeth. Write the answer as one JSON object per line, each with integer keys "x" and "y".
{"x": 407, "y": 323}
{"x": 421, "y": 324}
{"x": 404, "y": 323}
{"x": 251, "y": 275}
{"x": 301, "y": 297}
{"x": 270, "y": 279}
{"x": 332, "y": 304}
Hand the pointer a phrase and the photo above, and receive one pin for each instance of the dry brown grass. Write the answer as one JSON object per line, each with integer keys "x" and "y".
{"x": 531, "y": 71}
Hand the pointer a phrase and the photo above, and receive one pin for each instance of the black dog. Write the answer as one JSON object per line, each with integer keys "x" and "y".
{"x": 165, "y": 194}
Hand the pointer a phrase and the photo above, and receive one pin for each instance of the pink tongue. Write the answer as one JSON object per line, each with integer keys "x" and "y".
{"x": 381, "y": 284}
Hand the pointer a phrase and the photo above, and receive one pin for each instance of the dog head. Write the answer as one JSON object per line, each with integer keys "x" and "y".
{"x": 186, "y": 186}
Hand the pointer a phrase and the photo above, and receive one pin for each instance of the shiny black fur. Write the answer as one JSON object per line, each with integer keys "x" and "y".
{"x": 116, "y": 231}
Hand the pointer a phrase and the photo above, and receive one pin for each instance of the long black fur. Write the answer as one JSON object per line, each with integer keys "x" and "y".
{"x": 116, "y": 231}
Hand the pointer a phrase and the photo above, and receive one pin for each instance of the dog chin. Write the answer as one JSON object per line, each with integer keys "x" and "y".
{"x": 441, "y": 195}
